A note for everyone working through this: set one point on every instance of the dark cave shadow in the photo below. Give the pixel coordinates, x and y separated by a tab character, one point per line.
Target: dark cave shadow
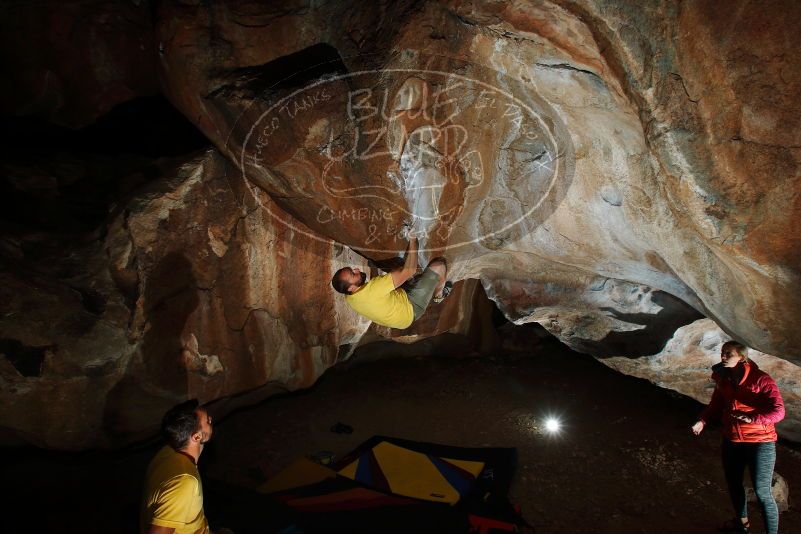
170	298
88	169
659	328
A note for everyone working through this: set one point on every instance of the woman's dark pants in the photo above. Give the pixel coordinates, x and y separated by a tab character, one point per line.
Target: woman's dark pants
760	459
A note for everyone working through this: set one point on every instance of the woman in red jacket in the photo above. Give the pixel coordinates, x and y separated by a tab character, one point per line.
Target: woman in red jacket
748	404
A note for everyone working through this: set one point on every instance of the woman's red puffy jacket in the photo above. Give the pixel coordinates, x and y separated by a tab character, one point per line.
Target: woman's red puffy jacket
756	395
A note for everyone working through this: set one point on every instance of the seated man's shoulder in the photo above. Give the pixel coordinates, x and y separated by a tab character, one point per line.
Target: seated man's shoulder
182	482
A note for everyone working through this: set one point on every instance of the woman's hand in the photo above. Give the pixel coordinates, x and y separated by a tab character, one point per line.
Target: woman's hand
698	427
742	416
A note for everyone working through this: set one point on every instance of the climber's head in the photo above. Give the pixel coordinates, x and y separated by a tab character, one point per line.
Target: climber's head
347	280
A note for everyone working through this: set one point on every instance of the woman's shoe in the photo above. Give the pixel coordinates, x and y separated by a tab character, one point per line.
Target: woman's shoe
735	525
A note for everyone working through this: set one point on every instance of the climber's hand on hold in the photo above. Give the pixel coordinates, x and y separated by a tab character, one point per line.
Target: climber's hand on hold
405	231
408	230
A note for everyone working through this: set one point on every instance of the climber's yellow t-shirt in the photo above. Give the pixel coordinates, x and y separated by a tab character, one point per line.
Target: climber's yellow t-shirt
173	494
379	301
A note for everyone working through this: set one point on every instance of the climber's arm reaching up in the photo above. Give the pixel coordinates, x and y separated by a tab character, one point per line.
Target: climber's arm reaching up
409	265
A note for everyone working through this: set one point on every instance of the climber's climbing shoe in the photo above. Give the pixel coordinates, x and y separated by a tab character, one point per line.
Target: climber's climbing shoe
446	290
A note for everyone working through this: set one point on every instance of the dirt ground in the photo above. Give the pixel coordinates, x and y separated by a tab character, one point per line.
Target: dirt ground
624	461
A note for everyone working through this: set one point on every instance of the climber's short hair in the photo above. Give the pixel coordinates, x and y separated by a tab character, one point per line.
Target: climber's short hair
340	285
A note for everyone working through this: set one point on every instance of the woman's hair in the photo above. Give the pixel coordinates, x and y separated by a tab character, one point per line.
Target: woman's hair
741	349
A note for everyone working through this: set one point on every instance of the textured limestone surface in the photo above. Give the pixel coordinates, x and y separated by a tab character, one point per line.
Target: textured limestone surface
684	365
543	146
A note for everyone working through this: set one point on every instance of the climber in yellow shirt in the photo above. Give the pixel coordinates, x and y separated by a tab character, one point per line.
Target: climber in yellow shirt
383	300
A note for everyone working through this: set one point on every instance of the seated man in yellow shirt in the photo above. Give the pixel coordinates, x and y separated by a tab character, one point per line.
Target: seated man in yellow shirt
173	500
384	301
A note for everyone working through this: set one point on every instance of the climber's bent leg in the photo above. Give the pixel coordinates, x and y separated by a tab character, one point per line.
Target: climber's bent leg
424	287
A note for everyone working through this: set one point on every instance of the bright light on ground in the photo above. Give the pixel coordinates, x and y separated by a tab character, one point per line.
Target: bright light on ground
552	425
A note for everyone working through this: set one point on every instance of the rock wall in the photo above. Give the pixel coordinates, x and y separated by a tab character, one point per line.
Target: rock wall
195	290
546	143
612	170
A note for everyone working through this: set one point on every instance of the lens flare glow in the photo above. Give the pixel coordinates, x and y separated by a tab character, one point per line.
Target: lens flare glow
552	425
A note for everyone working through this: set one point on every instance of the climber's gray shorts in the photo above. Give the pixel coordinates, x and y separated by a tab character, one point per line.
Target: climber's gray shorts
421	290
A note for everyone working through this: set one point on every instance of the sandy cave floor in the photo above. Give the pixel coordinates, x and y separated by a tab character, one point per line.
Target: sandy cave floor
624	462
